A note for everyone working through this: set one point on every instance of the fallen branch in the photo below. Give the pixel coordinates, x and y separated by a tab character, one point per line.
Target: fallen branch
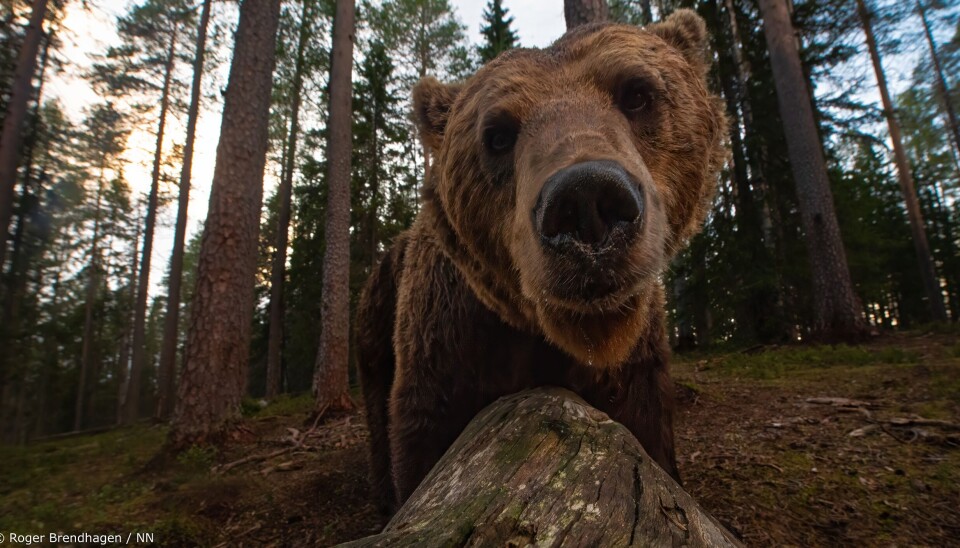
252	458
920	421
841	402
542	468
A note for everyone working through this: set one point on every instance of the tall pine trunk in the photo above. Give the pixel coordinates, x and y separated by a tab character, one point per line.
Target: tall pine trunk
373	214
11	139
646	11
12	136
931	283
15	291
756	315
331	380
942	88
168	350
213	377
143	285
93	283
125	342
581	12
837	311
279	267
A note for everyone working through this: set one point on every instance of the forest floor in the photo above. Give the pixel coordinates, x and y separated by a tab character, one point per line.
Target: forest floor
799	445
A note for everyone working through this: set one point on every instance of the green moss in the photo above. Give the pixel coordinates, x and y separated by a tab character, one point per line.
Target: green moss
85	480
197	459
250	407
287	405
789	361
178	531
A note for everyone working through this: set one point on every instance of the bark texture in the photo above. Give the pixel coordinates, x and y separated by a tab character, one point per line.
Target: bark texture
139	349
331	381
581	12
12	137
543	468
931	283
213	378
837	311
168	350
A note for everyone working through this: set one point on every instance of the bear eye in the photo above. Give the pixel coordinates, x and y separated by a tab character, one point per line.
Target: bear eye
500	141
636	96
500	133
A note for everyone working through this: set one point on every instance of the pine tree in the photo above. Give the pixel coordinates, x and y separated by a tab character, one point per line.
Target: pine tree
285	193
14	118
380	208
330	383
167	373
581	12
498	35
928	274
213	377
424	38
631	12
943	89
106	137
142	67
837	311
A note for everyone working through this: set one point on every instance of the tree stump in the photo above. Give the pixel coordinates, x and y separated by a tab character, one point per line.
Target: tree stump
543	468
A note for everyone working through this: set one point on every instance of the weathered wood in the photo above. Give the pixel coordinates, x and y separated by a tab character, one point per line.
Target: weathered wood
543	468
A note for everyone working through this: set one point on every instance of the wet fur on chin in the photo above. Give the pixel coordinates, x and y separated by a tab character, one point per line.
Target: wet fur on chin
603	339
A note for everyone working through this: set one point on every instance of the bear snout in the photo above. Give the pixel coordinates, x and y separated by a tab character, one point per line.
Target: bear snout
593	205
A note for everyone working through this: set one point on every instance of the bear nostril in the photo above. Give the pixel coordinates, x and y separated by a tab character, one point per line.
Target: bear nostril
563	218
617	207
586	202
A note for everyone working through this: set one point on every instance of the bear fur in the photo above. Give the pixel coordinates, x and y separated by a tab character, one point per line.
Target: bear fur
468	306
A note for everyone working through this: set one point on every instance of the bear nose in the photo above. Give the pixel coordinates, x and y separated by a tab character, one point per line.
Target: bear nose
587	202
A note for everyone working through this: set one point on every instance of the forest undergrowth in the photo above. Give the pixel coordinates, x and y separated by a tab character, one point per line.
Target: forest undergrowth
795	445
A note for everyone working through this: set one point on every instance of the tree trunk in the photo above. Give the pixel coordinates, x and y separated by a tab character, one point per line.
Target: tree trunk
928	274
542	468
12	137
143	285
837	311
373	210
15	287
581	12
285	191
124	360
942	88
213	376
756	314
423	54
93	282
331	380
646	11
171	322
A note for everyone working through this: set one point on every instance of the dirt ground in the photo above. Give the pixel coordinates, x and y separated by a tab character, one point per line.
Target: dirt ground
802	446
781	464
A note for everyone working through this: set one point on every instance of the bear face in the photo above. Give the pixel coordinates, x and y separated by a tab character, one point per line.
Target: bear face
573	174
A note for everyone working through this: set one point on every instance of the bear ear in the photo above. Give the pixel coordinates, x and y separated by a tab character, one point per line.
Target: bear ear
432	101
686	31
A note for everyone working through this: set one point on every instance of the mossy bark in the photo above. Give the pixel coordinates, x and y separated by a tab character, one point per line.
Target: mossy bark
543	468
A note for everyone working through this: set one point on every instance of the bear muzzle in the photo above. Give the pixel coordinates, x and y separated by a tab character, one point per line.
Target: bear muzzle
588	208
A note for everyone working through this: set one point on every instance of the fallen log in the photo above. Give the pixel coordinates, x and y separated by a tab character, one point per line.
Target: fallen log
543	468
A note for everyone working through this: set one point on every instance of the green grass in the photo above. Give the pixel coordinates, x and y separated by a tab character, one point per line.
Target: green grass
87	480
782	362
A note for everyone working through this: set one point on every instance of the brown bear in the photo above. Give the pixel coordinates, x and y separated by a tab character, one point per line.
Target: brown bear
564	181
